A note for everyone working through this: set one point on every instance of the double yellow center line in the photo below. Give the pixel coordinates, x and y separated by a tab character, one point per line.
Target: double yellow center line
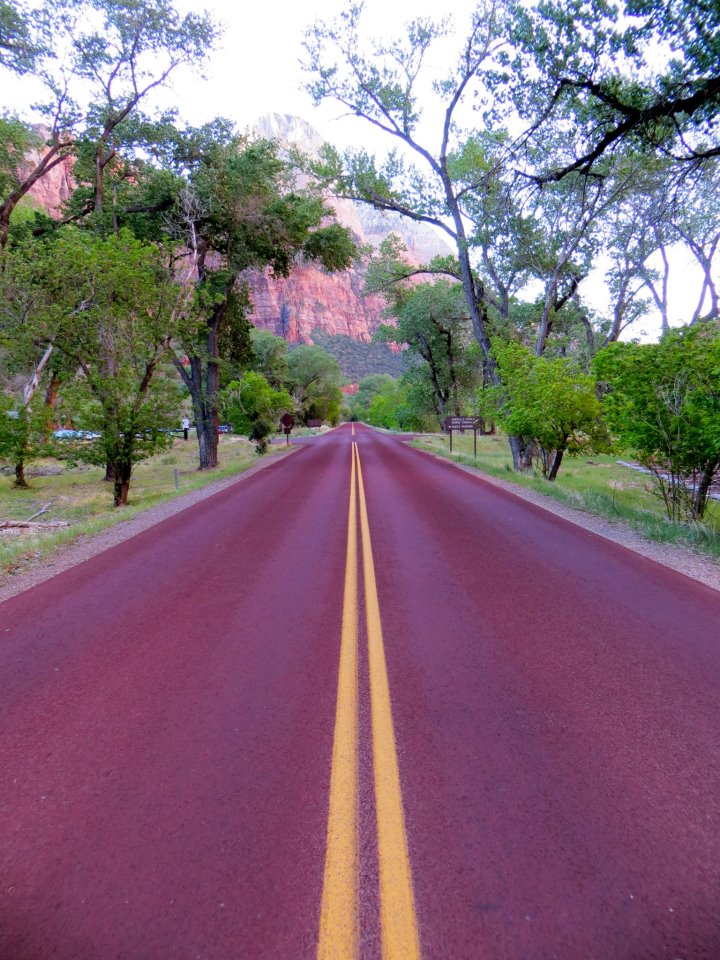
339	937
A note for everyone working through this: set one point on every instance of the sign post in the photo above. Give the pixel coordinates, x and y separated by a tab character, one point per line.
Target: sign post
462	424
288	422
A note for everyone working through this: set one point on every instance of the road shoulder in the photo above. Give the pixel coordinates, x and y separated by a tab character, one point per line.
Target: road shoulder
88	546
678	558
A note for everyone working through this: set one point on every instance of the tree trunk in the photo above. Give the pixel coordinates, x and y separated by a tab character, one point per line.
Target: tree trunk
51	396
206	425
702	489
522	451
20	480
122	486
109	473
557	460
208	443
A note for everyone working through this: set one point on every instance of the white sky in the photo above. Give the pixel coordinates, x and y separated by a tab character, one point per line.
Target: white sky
256	71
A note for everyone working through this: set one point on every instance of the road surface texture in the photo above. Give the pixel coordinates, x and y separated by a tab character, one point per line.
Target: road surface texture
361	705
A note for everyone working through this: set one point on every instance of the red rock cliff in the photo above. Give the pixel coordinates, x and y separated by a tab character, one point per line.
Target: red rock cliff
52	190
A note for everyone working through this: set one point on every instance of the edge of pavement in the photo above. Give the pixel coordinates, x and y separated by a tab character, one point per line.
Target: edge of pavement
86	546
681	559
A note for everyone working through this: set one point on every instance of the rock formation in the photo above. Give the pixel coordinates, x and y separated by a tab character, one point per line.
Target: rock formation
52	190
312	298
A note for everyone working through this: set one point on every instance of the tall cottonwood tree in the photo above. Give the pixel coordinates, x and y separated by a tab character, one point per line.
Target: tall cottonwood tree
23	36
121	285
637	73
384	88
431	318
239	211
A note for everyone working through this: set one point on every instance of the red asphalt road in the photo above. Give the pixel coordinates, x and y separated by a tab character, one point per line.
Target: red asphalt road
167	714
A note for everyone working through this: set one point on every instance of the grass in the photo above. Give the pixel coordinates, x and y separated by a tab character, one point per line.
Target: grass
78	496
594	484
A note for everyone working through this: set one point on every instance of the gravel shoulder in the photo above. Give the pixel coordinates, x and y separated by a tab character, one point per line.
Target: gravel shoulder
86	547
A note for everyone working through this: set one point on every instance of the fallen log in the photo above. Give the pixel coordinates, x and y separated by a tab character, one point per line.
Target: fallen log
29	524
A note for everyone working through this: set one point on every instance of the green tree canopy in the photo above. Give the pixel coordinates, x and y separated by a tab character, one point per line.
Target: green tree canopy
254	407
548	400
663	402
114	323
314	379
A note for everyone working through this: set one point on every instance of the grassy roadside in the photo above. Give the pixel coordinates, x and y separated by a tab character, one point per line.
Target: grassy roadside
597	485
78	498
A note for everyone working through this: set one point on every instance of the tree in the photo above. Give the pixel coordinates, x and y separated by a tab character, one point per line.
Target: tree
383	90
118	52
23	433
368	388
663	402
26	357
696	223
115	323
431	318
640	73
22	37
453	185
269	357
548	400
253	407
135	49
239	212
314	379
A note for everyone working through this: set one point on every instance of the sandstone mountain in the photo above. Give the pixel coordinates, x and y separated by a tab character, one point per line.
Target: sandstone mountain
52	190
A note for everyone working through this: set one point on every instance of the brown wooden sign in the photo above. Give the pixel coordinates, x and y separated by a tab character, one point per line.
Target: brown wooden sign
462	424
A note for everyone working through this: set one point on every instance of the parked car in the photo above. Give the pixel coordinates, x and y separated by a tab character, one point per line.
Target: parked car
224	428
75	435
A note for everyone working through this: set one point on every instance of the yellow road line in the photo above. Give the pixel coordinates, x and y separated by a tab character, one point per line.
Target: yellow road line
339	923
400	939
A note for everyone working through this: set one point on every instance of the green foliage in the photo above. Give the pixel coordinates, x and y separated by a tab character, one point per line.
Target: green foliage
253	407
431	318
113	323
663	402
23	433
369	388
548	401
404	404
239	212
22	37
16	140
639	73
269	357
314	380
